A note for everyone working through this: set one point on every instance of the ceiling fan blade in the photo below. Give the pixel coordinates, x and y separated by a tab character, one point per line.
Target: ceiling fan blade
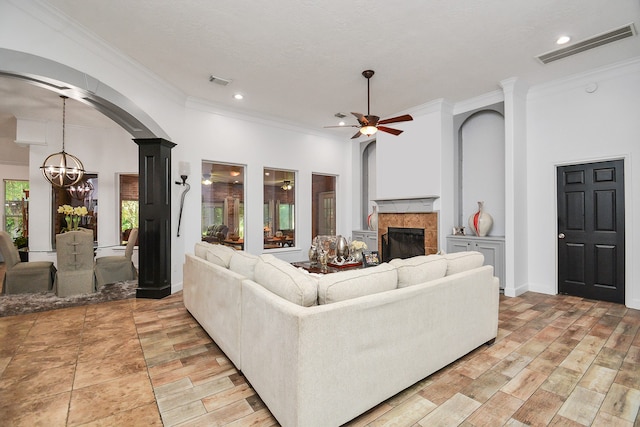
390	130
357	135
404	118
343	126
361	119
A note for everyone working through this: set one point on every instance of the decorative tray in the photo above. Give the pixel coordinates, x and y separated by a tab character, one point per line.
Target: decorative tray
345	265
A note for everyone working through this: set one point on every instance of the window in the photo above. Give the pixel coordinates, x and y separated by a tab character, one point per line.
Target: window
16	208
279	208
84	193
129	206
223	203
323	214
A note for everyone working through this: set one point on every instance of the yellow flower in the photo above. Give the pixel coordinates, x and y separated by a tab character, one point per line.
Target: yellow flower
65	209
80	211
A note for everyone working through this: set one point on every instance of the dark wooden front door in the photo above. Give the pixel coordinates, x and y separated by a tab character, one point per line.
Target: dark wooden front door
591	230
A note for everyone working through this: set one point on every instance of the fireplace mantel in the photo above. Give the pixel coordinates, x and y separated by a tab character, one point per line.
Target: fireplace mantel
406	204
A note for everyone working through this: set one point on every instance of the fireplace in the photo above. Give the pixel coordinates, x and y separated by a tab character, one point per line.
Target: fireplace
402	242
410	213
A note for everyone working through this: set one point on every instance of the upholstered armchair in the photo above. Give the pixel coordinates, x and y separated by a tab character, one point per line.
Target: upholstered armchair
112	269
74	251
24	277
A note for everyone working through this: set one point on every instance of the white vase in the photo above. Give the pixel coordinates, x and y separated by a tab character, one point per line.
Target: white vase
480	222
372	219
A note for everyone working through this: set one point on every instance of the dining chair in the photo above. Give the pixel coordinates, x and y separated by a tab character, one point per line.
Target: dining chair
112	269
24	277
74	251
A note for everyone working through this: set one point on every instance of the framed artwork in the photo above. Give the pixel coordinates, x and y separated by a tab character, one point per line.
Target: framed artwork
370	258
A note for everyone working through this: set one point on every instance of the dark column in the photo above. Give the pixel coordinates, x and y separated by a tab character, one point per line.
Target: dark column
154	253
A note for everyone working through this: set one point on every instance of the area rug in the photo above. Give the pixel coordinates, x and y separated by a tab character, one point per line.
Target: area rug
11	305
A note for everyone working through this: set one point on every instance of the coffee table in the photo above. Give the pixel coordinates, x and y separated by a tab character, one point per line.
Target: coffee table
329	269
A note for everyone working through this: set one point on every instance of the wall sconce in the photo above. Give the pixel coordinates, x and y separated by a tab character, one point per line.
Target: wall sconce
183	170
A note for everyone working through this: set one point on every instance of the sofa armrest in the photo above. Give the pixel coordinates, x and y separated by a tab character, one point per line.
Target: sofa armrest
212	294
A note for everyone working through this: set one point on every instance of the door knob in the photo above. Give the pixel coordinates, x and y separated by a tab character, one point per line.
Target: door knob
561	236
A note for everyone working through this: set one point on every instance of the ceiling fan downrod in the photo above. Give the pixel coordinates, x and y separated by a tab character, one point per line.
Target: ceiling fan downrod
367	75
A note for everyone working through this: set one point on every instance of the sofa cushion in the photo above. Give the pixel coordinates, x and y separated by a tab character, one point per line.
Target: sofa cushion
463	261
356	283
220	255
243	263
286	281
419	269
200	249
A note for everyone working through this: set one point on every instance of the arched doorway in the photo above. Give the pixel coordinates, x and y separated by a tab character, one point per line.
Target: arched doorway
154	155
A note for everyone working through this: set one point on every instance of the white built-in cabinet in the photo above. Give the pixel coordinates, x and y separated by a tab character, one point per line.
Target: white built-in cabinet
367	236
492	247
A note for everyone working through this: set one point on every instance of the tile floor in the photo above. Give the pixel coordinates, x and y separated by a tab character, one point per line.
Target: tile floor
558	360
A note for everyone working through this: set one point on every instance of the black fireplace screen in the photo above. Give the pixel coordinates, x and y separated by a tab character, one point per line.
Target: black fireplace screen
402	243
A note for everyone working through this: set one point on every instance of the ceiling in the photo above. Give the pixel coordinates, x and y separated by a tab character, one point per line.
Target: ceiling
301	60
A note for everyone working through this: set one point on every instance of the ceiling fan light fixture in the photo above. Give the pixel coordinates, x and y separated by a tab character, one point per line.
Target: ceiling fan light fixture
368	130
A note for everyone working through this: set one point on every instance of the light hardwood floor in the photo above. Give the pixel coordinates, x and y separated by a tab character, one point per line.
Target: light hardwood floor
558	360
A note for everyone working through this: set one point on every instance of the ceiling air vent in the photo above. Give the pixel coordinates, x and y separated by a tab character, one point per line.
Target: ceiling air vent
595	41
219	80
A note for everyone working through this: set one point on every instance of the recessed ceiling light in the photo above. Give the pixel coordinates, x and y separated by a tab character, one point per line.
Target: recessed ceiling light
341	124
563	40
238	96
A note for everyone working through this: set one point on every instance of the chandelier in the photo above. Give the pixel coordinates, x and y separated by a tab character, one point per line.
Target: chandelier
81	190
62	169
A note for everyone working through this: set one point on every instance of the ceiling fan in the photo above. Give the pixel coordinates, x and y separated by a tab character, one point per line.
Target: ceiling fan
371	124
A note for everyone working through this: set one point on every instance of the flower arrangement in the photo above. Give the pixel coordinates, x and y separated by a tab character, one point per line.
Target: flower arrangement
72	216
357	245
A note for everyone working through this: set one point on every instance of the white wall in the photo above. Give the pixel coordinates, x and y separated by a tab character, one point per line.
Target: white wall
408	165
13	172
259	144
567	125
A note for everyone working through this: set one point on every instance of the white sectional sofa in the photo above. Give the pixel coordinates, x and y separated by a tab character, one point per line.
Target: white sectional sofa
321	350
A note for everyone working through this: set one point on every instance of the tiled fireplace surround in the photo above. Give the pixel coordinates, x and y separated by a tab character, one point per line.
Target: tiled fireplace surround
415	212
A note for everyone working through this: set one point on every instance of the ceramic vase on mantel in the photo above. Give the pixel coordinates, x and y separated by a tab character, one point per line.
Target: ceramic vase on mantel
372	219
480	222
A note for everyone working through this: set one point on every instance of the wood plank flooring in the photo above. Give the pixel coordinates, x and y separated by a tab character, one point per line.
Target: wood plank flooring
558	360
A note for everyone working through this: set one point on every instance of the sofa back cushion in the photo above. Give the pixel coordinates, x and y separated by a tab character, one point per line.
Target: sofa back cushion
201	248
286	281
356	283
243	263
463	261
419	269
220	255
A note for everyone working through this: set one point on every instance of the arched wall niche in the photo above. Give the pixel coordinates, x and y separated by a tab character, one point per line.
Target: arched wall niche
479	152
367	179
77	85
